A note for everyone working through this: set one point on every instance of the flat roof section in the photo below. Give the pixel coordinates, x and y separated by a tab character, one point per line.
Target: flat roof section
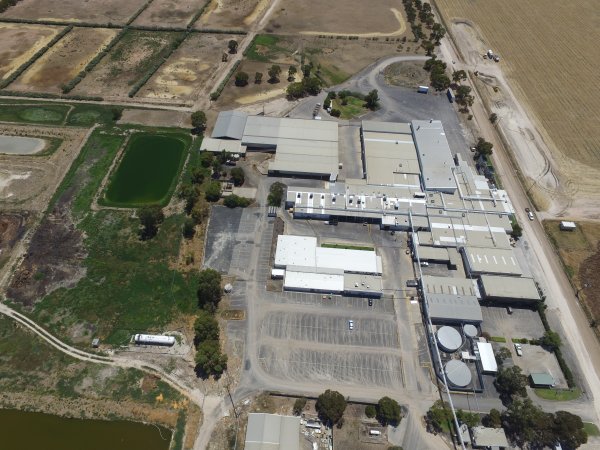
486	355
449	286
386	127
389	157
498	261
297	279
219	145
230	125
509	288
444	308
360	284
272	432
355	261
295	251
259	128
434	155
489	437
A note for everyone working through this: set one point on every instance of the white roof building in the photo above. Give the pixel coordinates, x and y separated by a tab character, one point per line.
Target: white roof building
486	355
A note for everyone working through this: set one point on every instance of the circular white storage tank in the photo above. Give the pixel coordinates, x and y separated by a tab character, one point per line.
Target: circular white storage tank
470	330
449	339
228	288
457	373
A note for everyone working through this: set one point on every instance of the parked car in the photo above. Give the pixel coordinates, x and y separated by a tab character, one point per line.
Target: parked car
370	302
351	325
518	349
509	310
530	215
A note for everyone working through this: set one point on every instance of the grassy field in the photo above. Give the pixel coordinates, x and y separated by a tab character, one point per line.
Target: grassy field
559	395
353	108
548	56
129	285
579	252
147	172
267	48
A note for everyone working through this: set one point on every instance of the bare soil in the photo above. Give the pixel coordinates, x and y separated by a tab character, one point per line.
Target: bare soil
231	14
12	228
101	12
127	62
406	74
156	118
64	60
169	12
19	42
347	17
193	65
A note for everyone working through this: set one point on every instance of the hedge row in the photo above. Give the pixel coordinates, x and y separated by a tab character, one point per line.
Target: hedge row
93	63
61	23
566	370
49	95
139	11
216	94
5	4
142	81
35	57
196	16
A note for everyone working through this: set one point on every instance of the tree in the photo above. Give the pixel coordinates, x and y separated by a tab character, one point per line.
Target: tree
295	91
493	118
493	419
524	422
116	114
459	75
150	218
299	405
213	191
276	194
511	382
569	430
517	231
462	92
437	33
388	412
370	411
502	354
483	147
199	120
440	81
306	69
331	406
335	112
429	47
438	415
209	289
417	30
551	339
292	72
189	229
311	85
258	77
238	176
232	45
209	359
372	100
200	210
274	72
206	327
190	194
206	159
197	175
468	418
234	201
241	78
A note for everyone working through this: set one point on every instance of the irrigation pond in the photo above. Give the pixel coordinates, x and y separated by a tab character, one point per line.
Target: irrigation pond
147	172
27	430
19	145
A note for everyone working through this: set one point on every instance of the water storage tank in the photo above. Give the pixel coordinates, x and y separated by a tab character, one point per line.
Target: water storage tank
228	288
470	330
153	339
457	373
449	339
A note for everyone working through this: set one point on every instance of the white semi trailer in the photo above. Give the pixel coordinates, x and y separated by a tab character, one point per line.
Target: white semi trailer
153	339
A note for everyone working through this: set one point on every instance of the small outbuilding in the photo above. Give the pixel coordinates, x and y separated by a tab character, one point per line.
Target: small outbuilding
487	358
543	380
488	438
567	226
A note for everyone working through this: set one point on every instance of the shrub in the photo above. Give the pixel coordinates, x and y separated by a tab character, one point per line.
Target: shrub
370	411
234	201
299	405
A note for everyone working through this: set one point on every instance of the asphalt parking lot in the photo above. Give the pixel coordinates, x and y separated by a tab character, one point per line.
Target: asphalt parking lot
221	237
536	359
522	323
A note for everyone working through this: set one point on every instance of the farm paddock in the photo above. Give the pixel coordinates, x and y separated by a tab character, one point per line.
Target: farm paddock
553	78
189	68
64	60
101	12
231	14
169	13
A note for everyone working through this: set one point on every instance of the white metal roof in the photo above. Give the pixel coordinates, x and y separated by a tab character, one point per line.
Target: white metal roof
295	251
314	281
272	432
218	145
434	154
488	360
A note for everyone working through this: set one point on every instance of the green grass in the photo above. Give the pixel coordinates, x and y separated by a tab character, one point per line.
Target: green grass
129	286
353	108
497	339
147	172
332	75
560	395
265	48
591	429
348	247
85	115
33	113
519	341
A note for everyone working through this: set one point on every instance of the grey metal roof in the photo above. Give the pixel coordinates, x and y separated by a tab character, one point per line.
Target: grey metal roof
386	127
448	285
449	339
542	379
444	308
509	288
434	154
501	261
230	125
458	373
489	437
272	432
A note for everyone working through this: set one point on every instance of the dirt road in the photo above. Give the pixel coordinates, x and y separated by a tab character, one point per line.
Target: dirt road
544	262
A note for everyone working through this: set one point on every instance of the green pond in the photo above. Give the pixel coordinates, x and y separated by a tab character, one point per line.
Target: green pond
27	431
147	171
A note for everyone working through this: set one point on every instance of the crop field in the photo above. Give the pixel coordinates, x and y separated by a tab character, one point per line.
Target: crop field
169	12
345	17
19	42
127	62
96	11
188	68
147	172
231	14
64	60
548	56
